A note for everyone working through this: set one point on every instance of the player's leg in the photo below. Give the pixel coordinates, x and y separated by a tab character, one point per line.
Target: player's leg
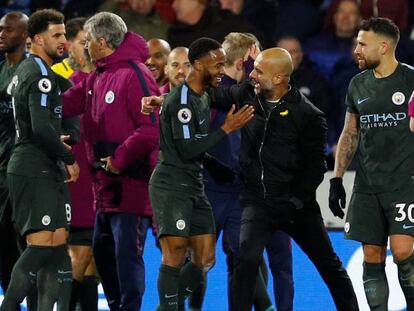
365	222
308	230
89	291
279	253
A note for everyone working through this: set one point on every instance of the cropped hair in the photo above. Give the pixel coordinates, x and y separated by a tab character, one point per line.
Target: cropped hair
382	26
40	20
73	26
236	44
107	25
202	47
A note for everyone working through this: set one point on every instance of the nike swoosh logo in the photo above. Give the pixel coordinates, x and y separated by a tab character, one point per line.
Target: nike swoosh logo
369	280
202	121
360	101
407	226
170	296
188	290
64	272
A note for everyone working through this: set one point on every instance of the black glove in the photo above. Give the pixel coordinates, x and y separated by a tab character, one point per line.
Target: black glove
337	197
220	172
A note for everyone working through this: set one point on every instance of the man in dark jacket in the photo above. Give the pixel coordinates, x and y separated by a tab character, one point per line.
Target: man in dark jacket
282	162
125	142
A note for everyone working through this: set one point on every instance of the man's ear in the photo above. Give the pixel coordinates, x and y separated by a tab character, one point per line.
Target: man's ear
37	39
102	43
198	66
239	64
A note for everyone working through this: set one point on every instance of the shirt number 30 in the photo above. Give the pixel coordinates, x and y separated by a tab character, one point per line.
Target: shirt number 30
404	213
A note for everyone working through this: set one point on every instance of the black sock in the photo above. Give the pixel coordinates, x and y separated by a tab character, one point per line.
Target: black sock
406	278
191	278
29	263
168	288
196	299
63	263
89	294
75	294
376	286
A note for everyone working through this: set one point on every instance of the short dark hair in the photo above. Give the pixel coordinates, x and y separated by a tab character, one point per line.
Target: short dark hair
383	26
40	20
201	47
73	26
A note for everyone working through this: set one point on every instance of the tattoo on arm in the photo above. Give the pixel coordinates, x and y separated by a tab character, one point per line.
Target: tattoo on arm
347	144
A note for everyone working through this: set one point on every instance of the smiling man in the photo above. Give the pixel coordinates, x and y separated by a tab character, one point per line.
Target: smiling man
183	214
158	54
38	193
177	68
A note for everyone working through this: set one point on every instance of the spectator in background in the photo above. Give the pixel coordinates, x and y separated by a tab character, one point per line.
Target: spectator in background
140	17
196	18
158	54
327	48
236	6
177	68
78	8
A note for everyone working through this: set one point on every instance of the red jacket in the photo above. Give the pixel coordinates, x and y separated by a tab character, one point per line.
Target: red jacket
110	101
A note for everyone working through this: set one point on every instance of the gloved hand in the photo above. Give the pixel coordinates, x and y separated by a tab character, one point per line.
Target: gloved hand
220	172
337	197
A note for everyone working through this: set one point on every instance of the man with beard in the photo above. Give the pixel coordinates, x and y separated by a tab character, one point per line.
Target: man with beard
177	68
382	197
158	54
13	34
35	176
183	214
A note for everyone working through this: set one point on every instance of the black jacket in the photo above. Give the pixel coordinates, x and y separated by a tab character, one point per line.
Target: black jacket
282	149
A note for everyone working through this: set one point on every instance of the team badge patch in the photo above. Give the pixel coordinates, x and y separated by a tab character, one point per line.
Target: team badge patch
184	115
398	98
46	220
180	224
45	85
347	227
109	97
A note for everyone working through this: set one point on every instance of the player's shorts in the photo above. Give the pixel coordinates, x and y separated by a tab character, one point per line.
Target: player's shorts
80	236
38	204
180	213
4	195
372	218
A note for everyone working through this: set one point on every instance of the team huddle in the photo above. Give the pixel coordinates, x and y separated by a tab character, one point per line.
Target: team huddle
105	145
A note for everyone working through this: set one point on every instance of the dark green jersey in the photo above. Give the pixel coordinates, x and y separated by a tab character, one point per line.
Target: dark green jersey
7	129
385	154
38	116
184	138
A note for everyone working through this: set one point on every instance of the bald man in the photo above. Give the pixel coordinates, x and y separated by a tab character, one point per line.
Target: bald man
177	68
283	161
158	54
13	35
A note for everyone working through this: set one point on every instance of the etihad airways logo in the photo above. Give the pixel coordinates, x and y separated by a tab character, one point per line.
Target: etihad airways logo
381	119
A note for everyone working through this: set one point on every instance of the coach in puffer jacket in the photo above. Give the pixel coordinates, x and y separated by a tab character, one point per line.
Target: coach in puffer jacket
122	147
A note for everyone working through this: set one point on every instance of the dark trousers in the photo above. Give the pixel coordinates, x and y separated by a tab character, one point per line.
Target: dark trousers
118	245
227	215
260	219
279	253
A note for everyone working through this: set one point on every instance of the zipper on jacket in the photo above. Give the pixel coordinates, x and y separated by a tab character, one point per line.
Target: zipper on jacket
262	143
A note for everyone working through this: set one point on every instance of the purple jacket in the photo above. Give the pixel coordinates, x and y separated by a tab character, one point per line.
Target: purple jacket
110	101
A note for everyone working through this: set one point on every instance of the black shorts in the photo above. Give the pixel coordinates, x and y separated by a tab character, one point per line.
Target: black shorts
4	196
371	218
180	213
80	236
38	204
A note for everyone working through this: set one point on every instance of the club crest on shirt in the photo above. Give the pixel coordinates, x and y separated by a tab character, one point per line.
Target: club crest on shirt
184	115
347	227
45	85
109	97
398	98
